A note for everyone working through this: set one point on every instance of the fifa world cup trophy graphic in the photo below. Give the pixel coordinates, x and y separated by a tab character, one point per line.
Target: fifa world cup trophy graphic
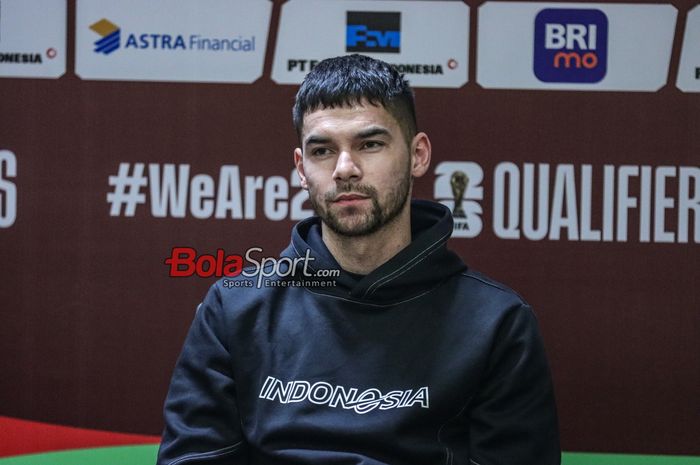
459	182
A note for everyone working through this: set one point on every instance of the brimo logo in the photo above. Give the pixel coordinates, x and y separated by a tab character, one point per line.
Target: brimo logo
184	262
571	45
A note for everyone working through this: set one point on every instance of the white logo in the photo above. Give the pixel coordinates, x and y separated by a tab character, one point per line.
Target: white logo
167	40
640	38
689	68
33	38
323	393
430	45
458	187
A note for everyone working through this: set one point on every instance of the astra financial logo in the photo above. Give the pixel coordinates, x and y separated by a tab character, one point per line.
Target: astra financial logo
571	45
110	35
111	40
373	31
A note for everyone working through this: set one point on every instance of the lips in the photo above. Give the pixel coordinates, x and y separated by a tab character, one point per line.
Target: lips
349	197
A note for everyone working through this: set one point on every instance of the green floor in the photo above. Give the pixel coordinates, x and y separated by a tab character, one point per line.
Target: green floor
146	455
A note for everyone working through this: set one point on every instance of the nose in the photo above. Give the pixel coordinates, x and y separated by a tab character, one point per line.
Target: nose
346	167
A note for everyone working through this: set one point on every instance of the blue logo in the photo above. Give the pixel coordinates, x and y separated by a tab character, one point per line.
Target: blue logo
571	45
110	39
110	34
373	31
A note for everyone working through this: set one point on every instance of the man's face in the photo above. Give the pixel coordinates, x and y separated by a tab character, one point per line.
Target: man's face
357	167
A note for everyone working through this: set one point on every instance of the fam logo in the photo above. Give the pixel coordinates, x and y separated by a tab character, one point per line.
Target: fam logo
571	45
110	35
373	31
458	187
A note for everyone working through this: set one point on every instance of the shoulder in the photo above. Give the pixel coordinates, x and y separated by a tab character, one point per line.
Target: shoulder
481	284
490	302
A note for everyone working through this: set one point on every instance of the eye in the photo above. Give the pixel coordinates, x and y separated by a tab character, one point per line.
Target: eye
372	144
320	151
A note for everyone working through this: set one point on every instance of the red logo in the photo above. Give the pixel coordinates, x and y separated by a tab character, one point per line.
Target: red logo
184	262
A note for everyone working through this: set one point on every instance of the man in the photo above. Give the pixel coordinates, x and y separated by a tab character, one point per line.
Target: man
410	358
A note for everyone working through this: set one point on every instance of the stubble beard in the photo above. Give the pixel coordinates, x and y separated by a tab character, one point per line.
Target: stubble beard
354	222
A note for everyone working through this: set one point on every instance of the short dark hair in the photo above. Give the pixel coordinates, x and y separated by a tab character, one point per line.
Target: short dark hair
350	79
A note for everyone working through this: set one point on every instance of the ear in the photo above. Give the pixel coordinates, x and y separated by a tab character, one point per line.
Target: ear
421	151
299	163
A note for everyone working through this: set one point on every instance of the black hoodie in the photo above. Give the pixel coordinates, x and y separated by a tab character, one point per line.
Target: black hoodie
420	362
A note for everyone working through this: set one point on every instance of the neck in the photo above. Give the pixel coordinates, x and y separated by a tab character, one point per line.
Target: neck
363	254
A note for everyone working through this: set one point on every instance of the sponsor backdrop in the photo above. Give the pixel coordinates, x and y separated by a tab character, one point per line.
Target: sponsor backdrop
566	141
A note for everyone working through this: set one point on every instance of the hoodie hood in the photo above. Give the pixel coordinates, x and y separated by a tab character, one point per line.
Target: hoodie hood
422	265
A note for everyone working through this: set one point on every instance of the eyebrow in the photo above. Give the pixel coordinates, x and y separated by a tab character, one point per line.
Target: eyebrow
371	132
364	134
316	140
